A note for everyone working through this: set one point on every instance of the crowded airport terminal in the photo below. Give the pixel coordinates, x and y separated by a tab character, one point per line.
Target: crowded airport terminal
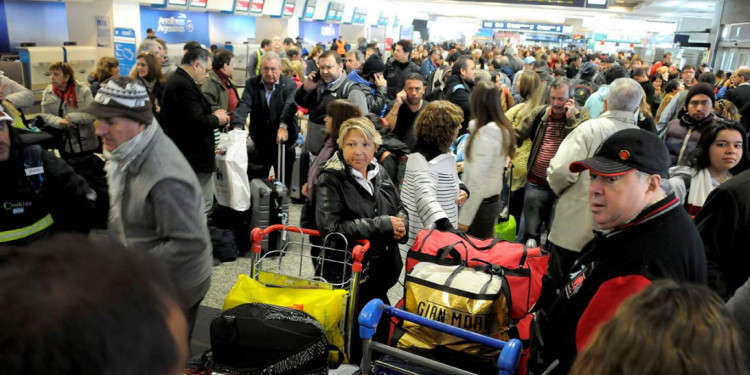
400	187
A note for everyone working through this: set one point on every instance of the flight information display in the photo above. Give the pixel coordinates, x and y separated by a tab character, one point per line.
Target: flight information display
567	3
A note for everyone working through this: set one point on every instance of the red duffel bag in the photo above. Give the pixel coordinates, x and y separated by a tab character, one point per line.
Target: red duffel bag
522	267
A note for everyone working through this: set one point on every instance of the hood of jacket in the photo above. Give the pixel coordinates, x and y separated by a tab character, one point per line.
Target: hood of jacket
454	80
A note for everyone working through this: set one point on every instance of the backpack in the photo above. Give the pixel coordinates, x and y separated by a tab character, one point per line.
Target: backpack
256	338
581	92
435	85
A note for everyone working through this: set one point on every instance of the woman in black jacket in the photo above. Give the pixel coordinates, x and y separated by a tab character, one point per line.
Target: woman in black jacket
355	199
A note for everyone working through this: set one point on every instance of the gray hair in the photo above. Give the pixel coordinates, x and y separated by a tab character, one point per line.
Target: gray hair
357	55
559	82
665	186
624	94
270	55
147	45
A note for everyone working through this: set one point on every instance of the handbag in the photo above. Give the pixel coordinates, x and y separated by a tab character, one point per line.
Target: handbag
232	186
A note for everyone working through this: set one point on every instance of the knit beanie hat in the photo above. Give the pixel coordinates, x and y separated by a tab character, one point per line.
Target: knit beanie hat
588	69
122	96
373	65
701	88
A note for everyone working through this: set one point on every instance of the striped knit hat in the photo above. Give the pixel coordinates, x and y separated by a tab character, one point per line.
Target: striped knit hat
122	96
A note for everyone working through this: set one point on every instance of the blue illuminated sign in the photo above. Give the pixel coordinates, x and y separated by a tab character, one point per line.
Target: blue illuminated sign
176	27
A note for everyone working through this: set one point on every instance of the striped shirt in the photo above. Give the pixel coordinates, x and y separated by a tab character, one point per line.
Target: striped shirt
429	192
554	134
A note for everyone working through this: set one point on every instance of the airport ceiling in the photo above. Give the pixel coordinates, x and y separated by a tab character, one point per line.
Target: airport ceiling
643	10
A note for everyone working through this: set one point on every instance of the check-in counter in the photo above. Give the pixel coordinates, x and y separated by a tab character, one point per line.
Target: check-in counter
82	59
36	62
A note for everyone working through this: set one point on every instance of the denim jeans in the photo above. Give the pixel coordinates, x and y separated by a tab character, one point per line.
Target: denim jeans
538	207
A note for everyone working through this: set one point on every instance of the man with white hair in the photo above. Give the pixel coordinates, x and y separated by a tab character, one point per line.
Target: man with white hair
573	225
156	201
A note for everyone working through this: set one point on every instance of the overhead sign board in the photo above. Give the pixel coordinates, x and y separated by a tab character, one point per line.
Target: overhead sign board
523	26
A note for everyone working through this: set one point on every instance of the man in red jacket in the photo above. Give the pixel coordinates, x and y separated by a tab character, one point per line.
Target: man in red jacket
642	235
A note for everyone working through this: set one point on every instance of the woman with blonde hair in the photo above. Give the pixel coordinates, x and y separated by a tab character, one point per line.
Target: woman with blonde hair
356	198
294	70
532	92
666	329
643	117
727	110
491	142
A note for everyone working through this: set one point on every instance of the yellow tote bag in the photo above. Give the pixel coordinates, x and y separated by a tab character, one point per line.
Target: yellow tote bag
326	306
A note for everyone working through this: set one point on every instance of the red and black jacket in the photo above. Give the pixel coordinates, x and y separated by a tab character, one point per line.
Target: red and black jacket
661	242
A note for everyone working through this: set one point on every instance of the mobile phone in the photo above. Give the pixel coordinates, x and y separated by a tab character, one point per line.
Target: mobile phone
316	77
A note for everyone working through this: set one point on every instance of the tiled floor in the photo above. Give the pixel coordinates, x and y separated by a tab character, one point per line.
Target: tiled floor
225	275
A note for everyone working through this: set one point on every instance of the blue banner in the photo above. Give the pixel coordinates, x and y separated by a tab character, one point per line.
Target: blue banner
318	32
125	48
176	27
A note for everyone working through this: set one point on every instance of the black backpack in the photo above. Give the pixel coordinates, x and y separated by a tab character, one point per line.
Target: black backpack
582	91
256	338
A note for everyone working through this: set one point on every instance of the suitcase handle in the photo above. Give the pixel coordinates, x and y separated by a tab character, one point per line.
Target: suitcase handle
281	163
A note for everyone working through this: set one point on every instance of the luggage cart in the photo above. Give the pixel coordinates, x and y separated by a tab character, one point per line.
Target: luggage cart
268	268
507	362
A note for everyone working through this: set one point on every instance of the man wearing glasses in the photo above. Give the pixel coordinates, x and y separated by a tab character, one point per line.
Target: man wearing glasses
268	101
187	118
322	87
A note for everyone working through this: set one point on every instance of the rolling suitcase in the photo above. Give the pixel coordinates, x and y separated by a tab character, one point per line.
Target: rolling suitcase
270	205
299	174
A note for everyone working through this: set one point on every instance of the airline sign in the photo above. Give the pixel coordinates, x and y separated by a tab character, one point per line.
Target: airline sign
522	26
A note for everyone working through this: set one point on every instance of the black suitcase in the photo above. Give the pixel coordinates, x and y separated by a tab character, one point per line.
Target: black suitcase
269	201
299	174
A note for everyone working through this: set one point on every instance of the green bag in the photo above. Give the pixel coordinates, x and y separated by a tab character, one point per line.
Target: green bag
506	230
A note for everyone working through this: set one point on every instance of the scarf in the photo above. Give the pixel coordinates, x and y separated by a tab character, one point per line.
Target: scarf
117	164
701	184
689	122
69	96
223	77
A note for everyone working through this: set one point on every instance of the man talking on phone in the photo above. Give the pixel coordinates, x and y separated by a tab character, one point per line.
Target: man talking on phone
268	101
322	87
547	126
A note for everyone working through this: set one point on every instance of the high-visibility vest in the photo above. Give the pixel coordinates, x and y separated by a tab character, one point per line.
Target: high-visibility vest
257	64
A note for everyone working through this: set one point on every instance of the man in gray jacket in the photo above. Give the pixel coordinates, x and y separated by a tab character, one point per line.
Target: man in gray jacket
156	202
573	225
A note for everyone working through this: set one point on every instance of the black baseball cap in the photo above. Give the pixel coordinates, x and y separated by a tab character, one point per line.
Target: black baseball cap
625	151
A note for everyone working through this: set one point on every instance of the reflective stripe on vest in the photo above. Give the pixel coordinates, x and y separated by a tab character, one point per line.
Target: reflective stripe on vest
16	234
257	65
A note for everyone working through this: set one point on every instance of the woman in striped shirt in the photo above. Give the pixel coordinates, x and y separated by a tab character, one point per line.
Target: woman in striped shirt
432	191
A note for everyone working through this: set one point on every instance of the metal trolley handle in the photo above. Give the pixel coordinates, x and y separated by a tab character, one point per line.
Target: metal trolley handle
507	362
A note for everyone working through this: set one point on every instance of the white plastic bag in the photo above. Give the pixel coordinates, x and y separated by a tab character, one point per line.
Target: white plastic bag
231	185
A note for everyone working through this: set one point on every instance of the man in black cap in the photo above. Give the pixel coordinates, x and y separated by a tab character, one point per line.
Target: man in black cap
369	78
642	235
683	132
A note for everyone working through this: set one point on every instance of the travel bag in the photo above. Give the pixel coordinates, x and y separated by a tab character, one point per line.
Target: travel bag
257	338
270	204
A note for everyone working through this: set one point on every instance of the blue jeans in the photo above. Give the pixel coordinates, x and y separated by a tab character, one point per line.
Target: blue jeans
538	209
